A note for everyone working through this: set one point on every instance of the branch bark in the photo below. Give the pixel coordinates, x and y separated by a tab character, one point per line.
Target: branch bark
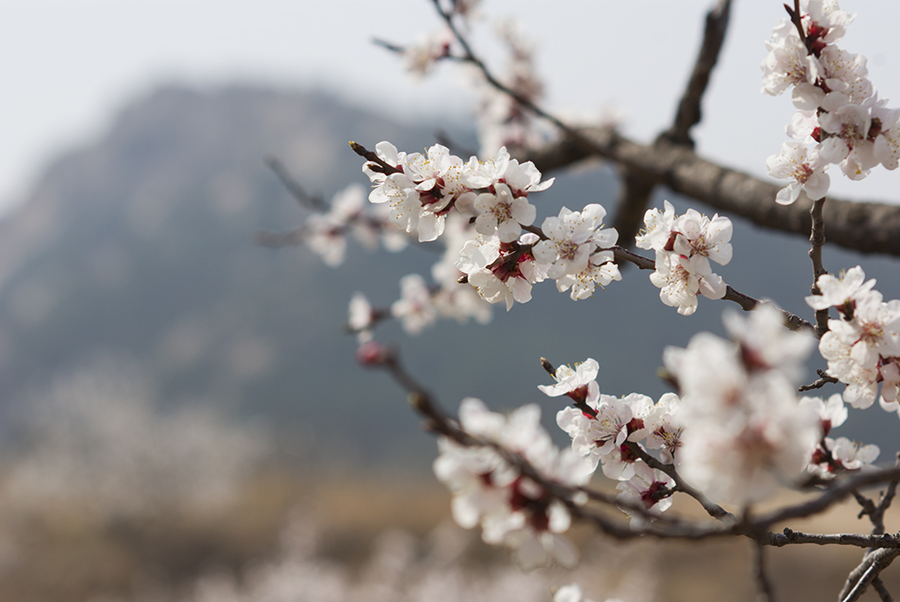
689	112
861	226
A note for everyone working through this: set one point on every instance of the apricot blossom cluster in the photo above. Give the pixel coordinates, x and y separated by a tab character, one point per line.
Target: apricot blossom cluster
840	119
862	346
683	246
512	508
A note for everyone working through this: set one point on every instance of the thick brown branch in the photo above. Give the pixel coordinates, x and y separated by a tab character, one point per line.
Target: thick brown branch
867	571
817	240
835	494
636	189
689	113
789	537
864	227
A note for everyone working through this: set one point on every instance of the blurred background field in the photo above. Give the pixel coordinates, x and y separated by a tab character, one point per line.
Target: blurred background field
113	499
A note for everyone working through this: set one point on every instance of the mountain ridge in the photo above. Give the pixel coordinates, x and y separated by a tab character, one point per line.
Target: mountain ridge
139	245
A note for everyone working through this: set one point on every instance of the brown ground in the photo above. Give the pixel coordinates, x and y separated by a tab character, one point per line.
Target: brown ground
68	553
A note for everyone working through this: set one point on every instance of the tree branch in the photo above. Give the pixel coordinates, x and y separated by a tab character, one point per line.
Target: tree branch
689	113
817	239
714	510
867	571
305	199
863	227
635	191
746	302
836	493
789	536
763	584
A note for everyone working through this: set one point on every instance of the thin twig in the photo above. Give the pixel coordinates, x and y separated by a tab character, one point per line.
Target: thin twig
438	421
866	227
305	199
376	163
746	302
763	585
867	505
389	45
797	20
275	240
689	112
714	510
823	380
878	586
877	516
469	56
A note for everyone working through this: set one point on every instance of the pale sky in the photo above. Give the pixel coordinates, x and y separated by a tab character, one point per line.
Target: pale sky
68	65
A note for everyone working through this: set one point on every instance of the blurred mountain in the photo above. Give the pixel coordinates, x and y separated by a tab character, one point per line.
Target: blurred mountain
140	246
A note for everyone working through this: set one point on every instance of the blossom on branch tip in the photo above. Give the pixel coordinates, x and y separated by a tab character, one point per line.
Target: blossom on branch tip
422	190
787	63
600	434
600	271
831	413
664	427
863	346
362	317
766	343
579	383
838	455
572	237
684	245
372	354
680	279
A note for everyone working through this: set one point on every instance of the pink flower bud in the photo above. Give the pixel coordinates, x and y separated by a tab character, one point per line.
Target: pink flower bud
371	354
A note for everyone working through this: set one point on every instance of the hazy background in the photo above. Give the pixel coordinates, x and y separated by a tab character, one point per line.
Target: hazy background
180	414
67	64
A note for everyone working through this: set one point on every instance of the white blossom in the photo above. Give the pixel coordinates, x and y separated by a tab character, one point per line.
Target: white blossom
414	308
572	237
745	430
512	509
684	245
807	170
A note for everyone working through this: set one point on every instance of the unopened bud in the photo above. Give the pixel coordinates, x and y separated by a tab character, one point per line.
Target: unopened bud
546	365
371	354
